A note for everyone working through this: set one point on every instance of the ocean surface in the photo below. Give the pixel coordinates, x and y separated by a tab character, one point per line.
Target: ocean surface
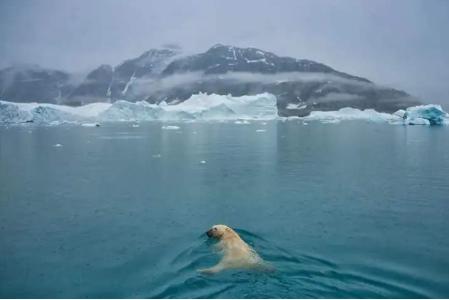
354	209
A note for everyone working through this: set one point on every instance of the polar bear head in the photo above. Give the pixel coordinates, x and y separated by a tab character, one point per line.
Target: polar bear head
219	231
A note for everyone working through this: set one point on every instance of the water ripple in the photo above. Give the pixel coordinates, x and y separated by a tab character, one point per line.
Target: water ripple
301	276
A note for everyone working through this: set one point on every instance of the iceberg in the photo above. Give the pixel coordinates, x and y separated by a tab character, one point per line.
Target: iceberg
11	113
226	107
430	114
417	115
50	115
197	107
350	114
29	113
205	107
128	111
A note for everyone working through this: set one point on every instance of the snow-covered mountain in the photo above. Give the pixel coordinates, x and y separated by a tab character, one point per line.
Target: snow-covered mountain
221	59
165	75
107	83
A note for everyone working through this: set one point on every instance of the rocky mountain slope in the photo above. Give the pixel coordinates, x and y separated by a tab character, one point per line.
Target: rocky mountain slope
158	75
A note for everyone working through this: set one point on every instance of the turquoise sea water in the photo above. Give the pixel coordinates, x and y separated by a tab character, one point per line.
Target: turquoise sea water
340	210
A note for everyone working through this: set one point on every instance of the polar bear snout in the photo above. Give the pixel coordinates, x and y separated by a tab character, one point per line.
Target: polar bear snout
216	231
209	233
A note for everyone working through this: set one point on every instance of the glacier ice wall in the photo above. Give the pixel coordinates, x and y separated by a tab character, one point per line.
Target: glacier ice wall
205	107
197	107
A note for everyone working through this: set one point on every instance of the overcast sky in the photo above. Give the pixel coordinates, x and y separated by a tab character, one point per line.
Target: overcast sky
402	44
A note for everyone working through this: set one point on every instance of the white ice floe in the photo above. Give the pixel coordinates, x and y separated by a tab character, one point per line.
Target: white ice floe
349	114
90	125
296	106
260	130
57	145
202	162
416	115
244	122
171	127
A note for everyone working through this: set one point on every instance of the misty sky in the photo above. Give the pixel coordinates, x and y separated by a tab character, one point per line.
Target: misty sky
403	44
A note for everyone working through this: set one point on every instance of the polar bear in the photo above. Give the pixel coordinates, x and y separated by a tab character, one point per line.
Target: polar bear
236	253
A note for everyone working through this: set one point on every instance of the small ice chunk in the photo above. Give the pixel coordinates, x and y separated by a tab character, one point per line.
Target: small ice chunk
202	162
90	125
57	145
135	125
295	106
260	130
245	122
156	155
171	127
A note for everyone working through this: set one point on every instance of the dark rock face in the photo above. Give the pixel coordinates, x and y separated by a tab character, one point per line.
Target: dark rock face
301	86
95	88
106	84
222	59
149	65
32	83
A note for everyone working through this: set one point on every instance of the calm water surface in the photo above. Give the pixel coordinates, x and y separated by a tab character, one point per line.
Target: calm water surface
341	210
